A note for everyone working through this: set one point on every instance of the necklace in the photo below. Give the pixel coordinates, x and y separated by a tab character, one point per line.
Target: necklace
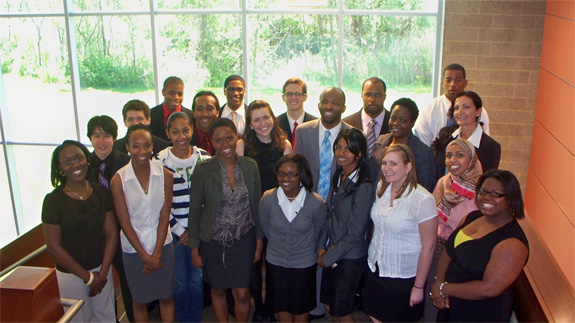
145	189
81	197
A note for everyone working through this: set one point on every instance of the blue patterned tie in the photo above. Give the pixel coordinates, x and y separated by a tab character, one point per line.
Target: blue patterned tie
324	166
101	179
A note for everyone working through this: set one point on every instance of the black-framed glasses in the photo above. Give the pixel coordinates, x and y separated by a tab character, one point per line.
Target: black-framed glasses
297	94
290	174
483	192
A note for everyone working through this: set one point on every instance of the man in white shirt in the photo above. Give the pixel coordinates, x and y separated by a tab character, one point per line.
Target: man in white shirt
234	90
434	117
294	94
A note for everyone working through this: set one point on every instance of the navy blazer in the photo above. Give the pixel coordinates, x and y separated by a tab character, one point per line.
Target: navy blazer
284	123
157	120
307	144
206	195
354	120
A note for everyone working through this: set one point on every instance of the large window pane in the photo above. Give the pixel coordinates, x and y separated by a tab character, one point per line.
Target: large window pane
285	46
36	79
38	6
111	5
8	227
199	4
115	66
407	5
201	49
397	49
33	168
293	4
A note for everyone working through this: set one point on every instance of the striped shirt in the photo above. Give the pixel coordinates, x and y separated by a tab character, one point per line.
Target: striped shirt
182	170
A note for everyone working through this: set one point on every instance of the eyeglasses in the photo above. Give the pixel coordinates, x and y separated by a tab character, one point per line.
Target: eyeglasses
235	89
297	94
483	192
76	160
290	175
374	95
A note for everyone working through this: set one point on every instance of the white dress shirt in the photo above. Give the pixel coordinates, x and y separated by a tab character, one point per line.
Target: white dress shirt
365	119
291	209
240	118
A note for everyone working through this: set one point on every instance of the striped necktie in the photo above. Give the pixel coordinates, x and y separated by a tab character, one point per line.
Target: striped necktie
324	166
371	135
101	179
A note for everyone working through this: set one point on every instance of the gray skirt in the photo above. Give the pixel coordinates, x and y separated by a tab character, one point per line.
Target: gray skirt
158	284
229	264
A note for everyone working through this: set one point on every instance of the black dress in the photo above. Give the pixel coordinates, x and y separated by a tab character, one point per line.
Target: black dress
468	263
266	157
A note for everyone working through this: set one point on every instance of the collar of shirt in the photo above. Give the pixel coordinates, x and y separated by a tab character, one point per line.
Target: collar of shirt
290	210
354	176
299	120
365	119
475	137
333	133
167	112
227	112
131	175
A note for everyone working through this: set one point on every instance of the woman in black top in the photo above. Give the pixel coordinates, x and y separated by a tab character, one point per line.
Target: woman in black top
81	233
484	256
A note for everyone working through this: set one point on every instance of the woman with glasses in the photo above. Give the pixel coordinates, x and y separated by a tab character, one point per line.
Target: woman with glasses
291	217
81	233
484	255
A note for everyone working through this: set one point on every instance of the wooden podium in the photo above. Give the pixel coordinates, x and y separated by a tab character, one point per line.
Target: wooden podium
30	294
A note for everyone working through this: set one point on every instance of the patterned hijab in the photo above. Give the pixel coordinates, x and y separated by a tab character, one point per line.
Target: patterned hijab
455	189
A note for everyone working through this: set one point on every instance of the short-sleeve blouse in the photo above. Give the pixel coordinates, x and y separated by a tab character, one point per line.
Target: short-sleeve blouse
396	242
81	224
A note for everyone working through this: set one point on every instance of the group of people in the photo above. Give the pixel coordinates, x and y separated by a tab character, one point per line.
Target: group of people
391	208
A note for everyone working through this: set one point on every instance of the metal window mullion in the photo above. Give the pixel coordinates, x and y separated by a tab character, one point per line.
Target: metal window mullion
73	63
154	34
245	44
340	45
438	57
10	162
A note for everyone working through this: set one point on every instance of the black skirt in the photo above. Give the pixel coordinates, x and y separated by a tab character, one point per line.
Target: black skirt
291	290
229	264
387	299
339	285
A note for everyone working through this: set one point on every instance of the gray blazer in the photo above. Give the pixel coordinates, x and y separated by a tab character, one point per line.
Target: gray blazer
206	194
292	245
348	217
307	144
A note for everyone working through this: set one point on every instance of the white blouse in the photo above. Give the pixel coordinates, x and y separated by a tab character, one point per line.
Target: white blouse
144	209
396	242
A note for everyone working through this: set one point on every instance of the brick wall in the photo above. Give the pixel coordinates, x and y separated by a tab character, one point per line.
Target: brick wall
499	44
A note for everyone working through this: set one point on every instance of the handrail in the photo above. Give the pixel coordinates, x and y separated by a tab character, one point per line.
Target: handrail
75	306
24	260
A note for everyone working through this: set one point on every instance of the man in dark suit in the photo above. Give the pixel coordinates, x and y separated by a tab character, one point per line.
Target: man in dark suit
294	94
136	111
372	117
173	93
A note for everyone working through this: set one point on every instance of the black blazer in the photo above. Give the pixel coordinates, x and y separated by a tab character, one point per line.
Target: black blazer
284	123
354	120
117	160
157	121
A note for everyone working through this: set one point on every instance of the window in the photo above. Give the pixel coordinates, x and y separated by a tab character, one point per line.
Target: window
63	62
